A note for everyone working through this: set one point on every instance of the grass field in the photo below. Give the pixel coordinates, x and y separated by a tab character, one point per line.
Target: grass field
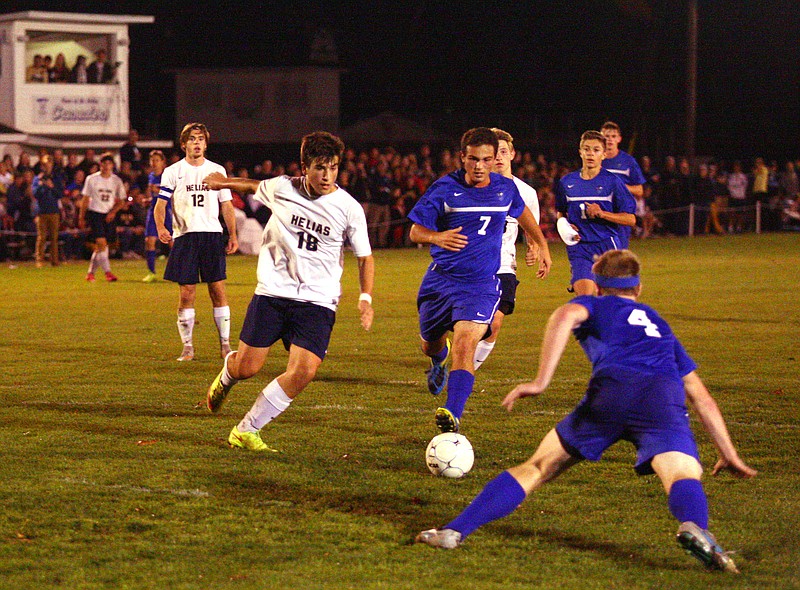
111	477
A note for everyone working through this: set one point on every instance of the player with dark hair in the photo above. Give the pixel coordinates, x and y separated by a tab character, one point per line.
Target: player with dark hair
641	379
623	165
198	246
592	205
103	195
507	273
462	216
299	281
157	165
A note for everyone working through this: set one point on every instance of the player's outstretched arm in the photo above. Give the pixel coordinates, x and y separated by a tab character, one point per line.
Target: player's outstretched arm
243	186
556	335
711	417
528	223
366	279
450	239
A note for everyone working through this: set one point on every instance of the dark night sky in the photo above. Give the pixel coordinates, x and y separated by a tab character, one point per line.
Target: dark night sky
545	70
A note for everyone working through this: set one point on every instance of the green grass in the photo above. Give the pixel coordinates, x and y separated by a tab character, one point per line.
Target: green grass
110	477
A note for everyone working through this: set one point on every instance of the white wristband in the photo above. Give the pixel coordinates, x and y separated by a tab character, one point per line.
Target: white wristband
365	297
566	232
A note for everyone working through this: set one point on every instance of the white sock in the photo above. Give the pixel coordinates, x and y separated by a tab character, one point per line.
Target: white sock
222	317
102	259
270	404
93	262
226	378
186	325
482	353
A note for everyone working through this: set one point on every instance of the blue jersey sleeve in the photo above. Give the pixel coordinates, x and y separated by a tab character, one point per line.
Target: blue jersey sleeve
685	363
623	199
561	197
428	210
517	203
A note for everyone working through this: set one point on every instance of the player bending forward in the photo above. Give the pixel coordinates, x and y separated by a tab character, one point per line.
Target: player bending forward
641	377
299	273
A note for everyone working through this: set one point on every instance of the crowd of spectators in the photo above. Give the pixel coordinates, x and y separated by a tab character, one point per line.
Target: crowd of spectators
388	181
44	70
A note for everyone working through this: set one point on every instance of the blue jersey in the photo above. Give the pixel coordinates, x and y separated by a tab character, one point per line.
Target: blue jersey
573	193
622	335
154	179
480	212
625	166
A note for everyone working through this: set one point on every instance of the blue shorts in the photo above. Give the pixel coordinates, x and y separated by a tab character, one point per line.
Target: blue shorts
99	227
150	230
583	255
442	301
508	292
196	257
646	410
303	324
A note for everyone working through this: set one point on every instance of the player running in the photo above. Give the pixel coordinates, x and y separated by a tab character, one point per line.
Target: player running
592	205
462	216
299	274
641	379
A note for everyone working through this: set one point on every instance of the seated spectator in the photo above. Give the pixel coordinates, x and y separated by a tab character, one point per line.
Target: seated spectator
130	226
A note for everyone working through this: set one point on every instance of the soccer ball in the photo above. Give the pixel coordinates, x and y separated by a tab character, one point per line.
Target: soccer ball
450	455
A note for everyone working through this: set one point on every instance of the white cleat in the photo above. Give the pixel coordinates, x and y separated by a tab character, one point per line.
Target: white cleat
441	538
187	354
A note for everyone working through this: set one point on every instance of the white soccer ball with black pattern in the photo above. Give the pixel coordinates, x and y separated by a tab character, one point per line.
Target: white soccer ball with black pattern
450	455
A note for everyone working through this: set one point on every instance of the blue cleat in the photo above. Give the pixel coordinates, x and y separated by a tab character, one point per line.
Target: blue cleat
437	374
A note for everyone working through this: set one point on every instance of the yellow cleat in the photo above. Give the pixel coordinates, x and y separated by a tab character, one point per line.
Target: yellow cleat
248	440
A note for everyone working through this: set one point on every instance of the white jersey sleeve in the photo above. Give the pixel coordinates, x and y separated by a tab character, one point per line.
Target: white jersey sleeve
195	207
302	249
508	254
103	193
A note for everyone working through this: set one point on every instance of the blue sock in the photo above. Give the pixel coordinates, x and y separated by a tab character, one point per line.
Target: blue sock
151	260
499	498
440	356
459	388
687	502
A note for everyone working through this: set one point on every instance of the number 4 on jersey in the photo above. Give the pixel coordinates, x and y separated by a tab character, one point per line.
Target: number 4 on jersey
638	317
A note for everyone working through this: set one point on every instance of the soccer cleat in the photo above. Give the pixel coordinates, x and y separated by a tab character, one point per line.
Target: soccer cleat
446	421
217	392
150	278
702	545
248	440
441	538
437	373
110	277
90	277
187	354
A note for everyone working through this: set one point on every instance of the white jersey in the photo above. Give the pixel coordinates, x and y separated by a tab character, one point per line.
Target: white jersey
302	248
195	207
103	193
508	254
